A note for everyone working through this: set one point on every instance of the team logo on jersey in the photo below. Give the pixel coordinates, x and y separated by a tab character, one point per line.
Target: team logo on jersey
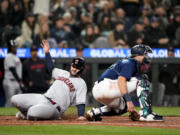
76	62
67	82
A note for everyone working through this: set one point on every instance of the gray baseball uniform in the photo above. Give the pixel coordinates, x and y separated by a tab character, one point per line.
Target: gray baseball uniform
10	84
65	91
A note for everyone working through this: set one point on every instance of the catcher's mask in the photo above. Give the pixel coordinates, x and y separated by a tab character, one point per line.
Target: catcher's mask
78	63
142	50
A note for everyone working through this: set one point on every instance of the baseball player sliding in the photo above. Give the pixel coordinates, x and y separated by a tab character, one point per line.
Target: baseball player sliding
114	85
68	88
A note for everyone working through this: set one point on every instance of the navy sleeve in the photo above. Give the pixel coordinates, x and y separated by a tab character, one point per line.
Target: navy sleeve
49	63
13	71
127	69
81	109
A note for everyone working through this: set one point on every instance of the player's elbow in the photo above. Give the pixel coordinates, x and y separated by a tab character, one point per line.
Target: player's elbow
122	79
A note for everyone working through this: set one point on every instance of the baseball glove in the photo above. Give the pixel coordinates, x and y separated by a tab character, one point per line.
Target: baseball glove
134	116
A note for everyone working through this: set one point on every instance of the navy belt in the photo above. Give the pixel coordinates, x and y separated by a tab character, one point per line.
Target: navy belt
53	103
100	80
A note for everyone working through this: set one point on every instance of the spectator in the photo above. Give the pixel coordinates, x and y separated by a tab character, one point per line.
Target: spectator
100	41
29	29
160	12
105	12
145	14
13	73
44	35
155	36
172	29
131	8
17	15
27	6
67	17
136	33
121	15
35	74
106	26
56	9
89	37
145	11
62	32
73	12
85	20
117	37
43	19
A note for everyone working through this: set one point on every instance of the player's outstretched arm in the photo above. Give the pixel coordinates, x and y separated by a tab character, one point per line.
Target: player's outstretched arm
48	60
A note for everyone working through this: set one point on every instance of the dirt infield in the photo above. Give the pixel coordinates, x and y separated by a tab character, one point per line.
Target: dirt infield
170	122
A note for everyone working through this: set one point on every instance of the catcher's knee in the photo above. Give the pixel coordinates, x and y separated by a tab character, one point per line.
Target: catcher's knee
143	85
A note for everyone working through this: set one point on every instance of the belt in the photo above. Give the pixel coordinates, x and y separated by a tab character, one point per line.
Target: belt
100	80
53	103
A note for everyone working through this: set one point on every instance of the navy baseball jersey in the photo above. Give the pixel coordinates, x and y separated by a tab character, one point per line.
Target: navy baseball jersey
126	67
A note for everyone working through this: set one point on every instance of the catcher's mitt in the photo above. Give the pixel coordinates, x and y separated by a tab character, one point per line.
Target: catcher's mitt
134	116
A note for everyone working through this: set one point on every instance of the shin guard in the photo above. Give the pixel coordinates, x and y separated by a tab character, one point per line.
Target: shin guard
144	96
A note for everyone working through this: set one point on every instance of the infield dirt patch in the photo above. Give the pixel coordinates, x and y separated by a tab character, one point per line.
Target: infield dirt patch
169	122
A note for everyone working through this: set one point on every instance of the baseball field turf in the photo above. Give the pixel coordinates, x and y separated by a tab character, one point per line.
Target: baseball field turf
87	128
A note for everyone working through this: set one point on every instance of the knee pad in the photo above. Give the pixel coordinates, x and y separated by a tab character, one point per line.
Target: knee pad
143	85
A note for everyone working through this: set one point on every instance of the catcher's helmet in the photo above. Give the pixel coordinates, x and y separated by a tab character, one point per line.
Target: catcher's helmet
78	63
140	49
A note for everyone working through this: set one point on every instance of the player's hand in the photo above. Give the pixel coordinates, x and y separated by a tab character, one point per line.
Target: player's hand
45	45
130	106
81	118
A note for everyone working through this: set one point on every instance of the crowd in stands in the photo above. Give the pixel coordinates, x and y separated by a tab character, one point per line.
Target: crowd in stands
91	23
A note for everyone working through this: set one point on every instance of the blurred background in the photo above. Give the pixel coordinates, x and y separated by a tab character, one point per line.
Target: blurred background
78	26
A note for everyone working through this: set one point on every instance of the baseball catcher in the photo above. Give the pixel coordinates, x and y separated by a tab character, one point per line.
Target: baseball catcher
113	87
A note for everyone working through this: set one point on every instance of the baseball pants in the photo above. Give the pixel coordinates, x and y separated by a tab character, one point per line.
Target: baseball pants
108	93
11	87
35	106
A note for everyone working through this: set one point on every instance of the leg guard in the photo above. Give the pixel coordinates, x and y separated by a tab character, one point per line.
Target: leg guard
144	96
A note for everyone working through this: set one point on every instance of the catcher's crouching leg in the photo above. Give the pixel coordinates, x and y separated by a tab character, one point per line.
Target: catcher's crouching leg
144	96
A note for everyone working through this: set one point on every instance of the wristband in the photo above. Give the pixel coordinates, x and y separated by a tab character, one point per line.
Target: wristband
127	97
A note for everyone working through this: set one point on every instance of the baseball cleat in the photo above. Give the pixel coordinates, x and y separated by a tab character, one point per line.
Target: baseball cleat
20	116
88	117
151	117
91	116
